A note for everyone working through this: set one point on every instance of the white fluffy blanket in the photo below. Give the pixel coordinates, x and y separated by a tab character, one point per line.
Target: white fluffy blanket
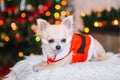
98	70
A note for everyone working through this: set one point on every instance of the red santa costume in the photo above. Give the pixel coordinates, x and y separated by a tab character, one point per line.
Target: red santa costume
81	45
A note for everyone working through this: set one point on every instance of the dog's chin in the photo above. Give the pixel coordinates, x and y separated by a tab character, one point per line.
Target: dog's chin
57	51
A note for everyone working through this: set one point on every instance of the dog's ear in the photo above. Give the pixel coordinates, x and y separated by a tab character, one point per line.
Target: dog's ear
41	25
68	22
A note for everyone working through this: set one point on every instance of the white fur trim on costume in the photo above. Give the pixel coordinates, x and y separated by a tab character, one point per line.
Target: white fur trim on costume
91	49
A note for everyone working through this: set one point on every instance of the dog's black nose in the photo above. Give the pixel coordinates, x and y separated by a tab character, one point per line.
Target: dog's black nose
58	47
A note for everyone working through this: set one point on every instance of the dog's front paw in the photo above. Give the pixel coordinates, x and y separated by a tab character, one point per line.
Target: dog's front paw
39	66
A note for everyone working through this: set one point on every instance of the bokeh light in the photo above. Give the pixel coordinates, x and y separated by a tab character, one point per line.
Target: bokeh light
7	38
63	3
63	13
96	24
32	54
37	38
86	30
57	7
47	13
13	26
82	14
56	15
67	13
115	22
57	22
20	54
34	27
23	15
1	22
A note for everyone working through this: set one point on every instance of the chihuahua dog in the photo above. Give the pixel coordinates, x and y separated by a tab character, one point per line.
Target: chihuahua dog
62	46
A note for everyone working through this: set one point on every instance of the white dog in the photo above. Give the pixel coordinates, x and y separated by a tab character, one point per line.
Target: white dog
61	46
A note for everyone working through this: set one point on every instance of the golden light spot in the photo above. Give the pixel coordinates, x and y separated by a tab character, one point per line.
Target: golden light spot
82	14
34	27
6	38
20	54
14	26
47	13
63	13
57	6
57	22
56	15
115	22
67	13
32	54
23	15
100	24
96	24
86	30
63	3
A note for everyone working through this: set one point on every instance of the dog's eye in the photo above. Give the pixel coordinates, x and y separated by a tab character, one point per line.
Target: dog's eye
63	40
51	41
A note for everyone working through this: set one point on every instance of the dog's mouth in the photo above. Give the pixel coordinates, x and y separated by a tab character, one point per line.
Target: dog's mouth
57	51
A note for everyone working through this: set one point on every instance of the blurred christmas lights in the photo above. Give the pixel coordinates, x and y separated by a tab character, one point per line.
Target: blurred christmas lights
63	13
32	54
37	38
63	3
82	14
57	22
68	13
86	30
7	38
57	7
115	22
47	13
96	24
13	25
34	27
20	54
56	15
1	22
23	15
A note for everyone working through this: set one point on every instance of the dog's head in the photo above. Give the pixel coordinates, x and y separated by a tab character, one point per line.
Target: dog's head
56	36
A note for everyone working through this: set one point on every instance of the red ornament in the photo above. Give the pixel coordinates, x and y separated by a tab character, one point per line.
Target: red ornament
10	9
49	4
41	11
21	20
35	14
18	37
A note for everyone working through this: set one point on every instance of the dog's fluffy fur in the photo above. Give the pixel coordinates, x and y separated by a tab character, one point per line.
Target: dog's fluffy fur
56	40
